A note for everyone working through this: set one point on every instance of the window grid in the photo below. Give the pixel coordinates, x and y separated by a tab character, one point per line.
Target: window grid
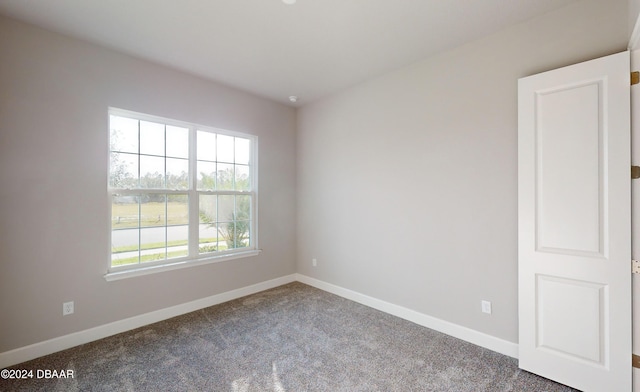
183	229
228	227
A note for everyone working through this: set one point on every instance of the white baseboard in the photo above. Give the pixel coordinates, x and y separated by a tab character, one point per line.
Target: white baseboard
51	346
478	338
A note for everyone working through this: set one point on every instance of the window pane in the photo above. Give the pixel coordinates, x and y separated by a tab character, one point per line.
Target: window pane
124	211
124	247
178	231
123	172
178	241
153	244
226	216
177	142
123	134
153	210
151	138
242	178
177	209
226	206
225	148
243	151
208	228
124	234
242	237
206	176
177	173
208	211
243	207
225	176
206	146
151	172
243	221
208	238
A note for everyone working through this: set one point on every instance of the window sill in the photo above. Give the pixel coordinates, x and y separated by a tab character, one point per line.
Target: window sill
130	273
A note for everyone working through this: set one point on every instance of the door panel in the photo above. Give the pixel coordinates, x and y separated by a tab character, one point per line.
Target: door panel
574	224
565	306
569	217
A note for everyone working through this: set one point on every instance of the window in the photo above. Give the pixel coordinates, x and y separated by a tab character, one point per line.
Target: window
178	192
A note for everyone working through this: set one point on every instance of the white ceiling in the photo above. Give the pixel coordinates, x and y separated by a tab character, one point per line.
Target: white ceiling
310	49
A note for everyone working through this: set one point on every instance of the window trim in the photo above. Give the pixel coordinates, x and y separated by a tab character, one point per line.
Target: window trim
193	257
177	264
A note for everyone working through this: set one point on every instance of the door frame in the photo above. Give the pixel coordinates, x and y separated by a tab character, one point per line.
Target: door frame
634	48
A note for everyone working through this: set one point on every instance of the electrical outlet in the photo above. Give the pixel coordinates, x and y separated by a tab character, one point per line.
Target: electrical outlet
314	262
67	308
486	307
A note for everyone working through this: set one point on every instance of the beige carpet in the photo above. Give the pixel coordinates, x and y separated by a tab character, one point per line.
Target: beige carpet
292	338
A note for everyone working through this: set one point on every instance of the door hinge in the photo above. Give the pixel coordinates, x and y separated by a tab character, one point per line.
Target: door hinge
635	361
635	172
635	267
635	77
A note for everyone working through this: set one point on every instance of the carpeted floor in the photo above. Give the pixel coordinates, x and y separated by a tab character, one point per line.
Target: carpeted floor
292	338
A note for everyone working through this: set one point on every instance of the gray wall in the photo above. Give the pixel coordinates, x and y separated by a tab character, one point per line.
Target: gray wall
634	10
407	184
54	94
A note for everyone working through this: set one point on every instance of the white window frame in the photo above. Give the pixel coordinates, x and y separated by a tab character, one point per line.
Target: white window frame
193	258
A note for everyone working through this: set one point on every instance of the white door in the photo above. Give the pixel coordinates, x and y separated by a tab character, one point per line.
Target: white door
574	228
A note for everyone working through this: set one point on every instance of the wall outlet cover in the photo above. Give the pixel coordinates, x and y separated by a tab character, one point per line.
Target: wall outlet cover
67	308
486	307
